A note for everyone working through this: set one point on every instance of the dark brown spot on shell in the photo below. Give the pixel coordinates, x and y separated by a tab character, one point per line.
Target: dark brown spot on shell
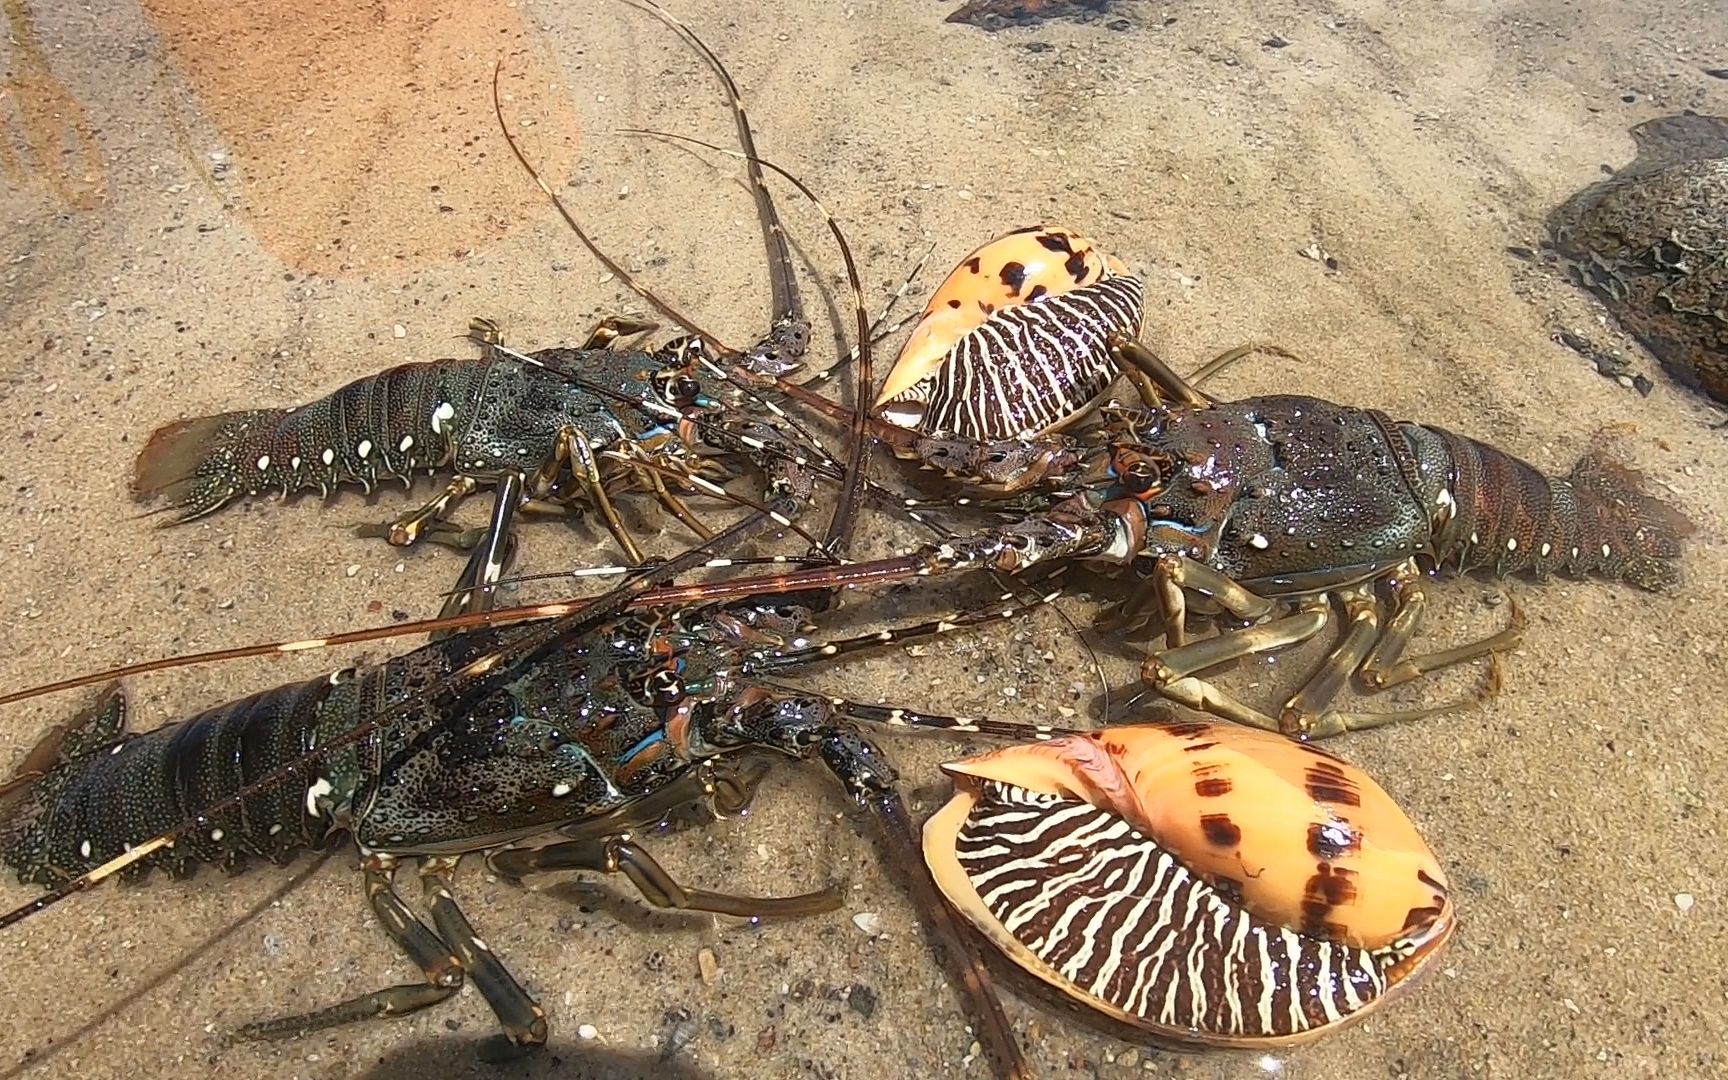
987	308
1195	748
1220	830
1330	840
1038	293
1328	783
1076	267
1186	729
974	264
953	303
1014	276
1055	242
1213	787
1420	918
1330	888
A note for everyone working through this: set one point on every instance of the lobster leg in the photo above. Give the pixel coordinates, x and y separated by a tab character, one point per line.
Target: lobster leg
611	329
574	448
1385	666
1150	374
445	957
521	1017
1372	653
1170	671
620	855
406	530
477	586
1172	575
437	961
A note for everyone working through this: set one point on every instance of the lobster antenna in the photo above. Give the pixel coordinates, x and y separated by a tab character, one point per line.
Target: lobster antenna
956	945
473	677
840	527
575	227
822	577
616	569
782	275
788	309
814	652
744	385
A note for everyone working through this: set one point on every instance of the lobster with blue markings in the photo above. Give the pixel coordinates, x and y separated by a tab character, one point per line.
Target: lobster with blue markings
583	729
572	428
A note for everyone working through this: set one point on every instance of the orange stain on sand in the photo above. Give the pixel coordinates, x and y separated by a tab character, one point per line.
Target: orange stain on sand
45	134
363	131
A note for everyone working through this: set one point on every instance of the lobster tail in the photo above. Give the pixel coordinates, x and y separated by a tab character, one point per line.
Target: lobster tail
1598	520
194	463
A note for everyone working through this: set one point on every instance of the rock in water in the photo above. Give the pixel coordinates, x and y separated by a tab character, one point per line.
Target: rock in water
1652	242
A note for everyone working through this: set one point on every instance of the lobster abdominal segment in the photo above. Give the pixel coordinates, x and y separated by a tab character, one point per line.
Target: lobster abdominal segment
481	417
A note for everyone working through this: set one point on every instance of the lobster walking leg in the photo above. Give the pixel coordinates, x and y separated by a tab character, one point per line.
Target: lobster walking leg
1366	650
406	531
1386	664
446	956
477	586
522	1018
620	855
441	967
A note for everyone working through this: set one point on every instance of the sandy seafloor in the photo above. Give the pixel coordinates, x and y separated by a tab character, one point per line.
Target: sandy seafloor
255	204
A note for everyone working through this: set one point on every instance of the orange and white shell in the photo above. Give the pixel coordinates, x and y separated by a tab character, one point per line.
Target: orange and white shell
1021	267
1208	883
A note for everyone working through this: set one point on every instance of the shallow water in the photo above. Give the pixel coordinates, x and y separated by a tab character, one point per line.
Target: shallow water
252	207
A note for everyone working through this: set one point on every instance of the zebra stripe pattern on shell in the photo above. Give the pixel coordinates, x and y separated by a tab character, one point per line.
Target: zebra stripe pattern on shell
1125	923
1032	368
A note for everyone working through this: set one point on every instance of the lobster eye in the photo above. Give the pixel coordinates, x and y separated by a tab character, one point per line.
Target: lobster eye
1141	476
663	689
677	388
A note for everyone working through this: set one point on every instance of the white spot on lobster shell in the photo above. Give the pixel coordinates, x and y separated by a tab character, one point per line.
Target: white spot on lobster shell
315	793
444	413
364	448
263	462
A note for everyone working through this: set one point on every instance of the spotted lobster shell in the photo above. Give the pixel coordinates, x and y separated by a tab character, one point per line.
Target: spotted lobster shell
1207	883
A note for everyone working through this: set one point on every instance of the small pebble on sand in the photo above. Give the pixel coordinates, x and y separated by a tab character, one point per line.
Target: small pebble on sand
707	966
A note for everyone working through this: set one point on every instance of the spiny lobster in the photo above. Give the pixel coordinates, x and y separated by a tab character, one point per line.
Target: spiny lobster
566	426
1267	510
585	728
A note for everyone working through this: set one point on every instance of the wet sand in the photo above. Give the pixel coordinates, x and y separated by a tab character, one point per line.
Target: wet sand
262	220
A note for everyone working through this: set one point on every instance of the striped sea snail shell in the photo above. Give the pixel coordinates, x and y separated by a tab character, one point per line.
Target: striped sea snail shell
1206	883
1012	341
